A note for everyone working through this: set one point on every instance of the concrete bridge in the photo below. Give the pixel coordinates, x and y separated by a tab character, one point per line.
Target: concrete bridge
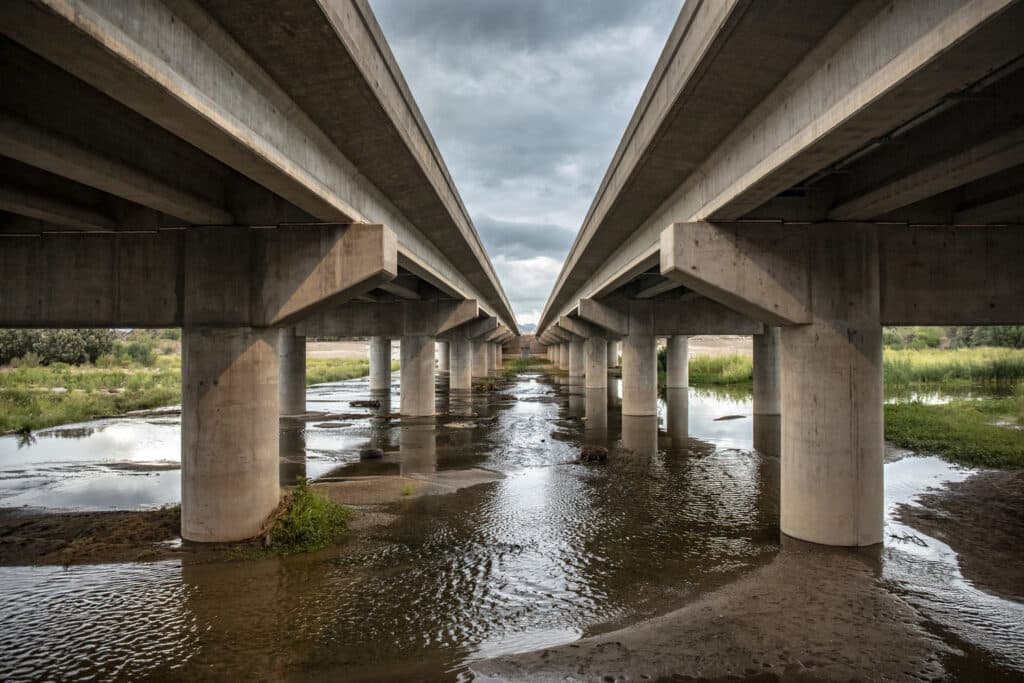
807	172
251	171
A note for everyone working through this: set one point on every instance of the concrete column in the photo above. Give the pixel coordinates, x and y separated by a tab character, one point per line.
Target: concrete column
639	432
380	364
613	353
595	431
479	358
229	431
832	447
677	363
639	375
767	393
595	359
417	378
293	372
489	349
443	357
677	414
460	375
563	355
499	356
577	367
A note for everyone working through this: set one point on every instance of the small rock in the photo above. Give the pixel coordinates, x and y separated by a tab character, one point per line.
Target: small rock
371	454
365	403
594	454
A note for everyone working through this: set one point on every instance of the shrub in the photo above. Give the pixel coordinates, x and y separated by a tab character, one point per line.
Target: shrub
172	333
52	346
138	352
312	522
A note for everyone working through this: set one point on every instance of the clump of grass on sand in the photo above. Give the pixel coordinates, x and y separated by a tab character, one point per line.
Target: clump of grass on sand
728	369
983	433
310	522
953	366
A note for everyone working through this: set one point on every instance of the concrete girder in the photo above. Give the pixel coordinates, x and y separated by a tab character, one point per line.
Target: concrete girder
182	278
604	316
33	146
658	289
580	328
52	210
474	329
928	275
394	319
667	317
1009	209
878	67
399	290
200	84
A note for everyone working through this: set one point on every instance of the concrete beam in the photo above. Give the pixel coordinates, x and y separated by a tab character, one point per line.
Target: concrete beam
400	291
580	328
62	213
658	289
700	316
42	149
991	156
474	329
606	317
186	278
1008	209
758	270
394	319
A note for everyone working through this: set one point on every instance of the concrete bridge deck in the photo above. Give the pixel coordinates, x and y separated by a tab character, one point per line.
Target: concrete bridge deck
250	171
807	172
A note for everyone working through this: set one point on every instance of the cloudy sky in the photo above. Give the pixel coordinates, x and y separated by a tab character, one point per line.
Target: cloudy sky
527	100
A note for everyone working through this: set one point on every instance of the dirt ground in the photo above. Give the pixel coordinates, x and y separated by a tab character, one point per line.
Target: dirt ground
720	345
341	349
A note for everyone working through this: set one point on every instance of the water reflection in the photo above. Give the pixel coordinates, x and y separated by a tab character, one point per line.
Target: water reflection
640	434
418	446
595	432
677	415
293	452
768	434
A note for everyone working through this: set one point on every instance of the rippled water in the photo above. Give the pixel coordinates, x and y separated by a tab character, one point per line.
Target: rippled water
552	551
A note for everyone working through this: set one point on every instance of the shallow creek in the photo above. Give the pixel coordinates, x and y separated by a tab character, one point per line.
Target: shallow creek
552	552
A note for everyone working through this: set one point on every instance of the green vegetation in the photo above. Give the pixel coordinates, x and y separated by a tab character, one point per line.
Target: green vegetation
715	370
919	338
113	373
407	489
963	366
514	366
984	433
311	522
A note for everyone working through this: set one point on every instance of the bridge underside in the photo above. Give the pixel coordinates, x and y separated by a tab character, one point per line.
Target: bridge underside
874	175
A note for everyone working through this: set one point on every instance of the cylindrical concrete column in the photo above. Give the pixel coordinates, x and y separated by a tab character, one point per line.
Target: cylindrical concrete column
577	368
677	363
380	364
613	353
443	357
499	356
229	431
595	361
563	355
417	378
832	437
489	350
460	374
293	372
767	372
677	414
639	375
479	358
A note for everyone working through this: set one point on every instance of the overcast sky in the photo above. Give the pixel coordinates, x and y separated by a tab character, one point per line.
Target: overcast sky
527	100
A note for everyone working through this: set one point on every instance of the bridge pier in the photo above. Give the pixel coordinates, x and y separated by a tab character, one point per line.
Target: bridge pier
563	356
499	357
639	375
293	372
229	431
767	391
613	353
479	358
380	365
595	352
577	367
443	356
677	362
417	380
460	375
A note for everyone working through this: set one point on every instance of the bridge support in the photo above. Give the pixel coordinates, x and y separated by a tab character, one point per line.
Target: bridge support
293	372
767	391
613	353
563	356
639	375
479	358
229	432
380	365
677	362
417	385
577	366
460	375
595	352
443	357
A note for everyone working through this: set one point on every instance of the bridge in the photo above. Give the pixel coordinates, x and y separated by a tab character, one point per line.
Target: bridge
251	171
806	172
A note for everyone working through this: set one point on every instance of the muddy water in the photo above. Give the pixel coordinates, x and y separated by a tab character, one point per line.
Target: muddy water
553	551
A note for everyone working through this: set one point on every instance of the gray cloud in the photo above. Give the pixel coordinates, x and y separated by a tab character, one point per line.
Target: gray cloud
527	100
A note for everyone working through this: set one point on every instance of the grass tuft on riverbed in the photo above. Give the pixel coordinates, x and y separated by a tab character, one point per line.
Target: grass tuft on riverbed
960	367
311	522
979	433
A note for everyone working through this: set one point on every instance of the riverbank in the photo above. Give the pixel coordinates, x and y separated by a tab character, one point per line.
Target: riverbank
33	398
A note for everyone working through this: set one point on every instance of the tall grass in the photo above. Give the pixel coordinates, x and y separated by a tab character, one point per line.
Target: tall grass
969	365
731	369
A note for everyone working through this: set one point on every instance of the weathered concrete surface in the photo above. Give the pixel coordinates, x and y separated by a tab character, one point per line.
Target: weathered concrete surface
393	319
677	362
460	373
639	375
595	360
417	378
292	393
443	356
229	432
767	361
613	353
577	366
380	364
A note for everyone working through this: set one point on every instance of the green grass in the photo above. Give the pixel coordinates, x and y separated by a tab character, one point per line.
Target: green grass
717	370
311	522
28	402
958	366
962	431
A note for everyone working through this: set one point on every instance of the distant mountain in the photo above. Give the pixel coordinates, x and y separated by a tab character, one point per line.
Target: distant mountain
527	328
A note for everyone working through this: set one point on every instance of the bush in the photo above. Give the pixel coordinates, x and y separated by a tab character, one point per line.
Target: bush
139	352
52	346
172	333
312	522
